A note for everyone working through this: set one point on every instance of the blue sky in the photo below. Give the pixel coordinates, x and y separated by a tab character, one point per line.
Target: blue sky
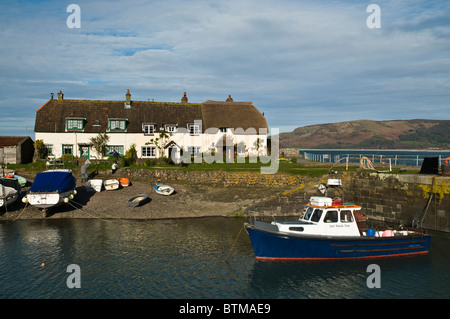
299	62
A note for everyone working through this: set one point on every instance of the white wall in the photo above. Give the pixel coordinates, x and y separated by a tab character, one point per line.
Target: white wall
204	141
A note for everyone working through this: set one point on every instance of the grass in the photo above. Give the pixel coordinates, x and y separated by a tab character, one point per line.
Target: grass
284	167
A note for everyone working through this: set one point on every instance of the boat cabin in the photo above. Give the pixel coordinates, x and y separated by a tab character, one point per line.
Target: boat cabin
323	216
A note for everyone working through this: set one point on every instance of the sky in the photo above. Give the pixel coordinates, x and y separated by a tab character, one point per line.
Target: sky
299	62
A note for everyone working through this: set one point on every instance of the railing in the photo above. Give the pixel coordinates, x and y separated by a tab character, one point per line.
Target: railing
393	159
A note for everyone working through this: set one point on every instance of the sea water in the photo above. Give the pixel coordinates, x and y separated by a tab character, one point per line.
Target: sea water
200	258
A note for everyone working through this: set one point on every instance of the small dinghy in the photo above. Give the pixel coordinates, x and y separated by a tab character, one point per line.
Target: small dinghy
163	189
124	182
137	200
111	184
94	185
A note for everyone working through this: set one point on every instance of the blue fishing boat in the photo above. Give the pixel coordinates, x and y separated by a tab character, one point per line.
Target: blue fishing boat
51	188
331	230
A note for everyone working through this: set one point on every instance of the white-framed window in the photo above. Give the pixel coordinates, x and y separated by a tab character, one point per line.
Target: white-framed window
171	128
149	129
117	124
194	129
67	149
148	151
193	149
74	124
111	148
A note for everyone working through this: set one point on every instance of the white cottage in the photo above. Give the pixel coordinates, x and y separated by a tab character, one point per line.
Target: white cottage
211	127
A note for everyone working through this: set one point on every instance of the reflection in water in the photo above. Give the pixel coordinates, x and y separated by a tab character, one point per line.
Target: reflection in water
185	258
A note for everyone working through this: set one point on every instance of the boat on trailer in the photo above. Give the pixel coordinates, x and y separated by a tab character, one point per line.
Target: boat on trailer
51	188
331	230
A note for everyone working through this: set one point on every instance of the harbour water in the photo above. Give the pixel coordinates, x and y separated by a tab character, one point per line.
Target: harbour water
394	157
187	259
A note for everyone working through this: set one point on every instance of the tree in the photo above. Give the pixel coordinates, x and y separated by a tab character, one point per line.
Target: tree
99	143
39	149
130	155
160	142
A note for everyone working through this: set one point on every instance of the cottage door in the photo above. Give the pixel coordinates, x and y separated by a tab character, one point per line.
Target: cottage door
84	151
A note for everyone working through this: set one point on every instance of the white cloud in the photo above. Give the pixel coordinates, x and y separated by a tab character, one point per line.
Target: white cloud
298	61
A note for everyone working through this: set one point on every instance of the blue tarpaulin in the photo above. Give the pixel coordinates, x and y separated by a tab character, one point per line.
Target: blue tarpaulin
53	181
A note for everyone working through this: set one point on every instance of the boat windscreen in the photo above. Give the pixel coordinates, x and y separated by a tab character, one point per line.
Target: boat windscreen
308	213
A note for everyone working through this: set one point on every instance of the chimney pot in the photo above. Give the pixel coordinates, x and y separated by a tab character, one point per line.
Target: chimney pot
60	96
128	99
229	99
184	99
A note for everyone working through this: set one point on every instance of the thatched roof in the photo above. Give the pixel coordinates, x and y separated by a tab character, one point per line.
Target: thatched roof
52	116
236	115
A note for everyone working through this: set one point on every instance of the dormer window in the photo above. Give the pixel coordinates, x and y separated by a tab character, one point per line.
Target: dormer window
117	125
75	124
149	129
171	128
194	129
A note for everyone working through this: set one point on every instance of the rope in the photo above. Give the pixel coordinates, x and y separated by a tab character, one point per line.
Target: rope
226	259
8	222
81	209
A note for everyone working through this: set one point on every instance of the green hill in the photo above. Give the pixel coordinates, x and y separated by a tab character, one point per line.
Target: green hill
397	134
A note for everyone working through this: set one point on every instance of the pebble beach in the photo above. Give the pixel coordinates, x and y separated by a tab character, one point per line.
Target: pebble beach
188	201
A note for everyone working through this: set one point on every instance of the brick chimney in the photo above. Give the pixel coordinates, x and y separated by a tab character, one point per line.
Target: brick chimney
60	96
184	99
128	99
229	99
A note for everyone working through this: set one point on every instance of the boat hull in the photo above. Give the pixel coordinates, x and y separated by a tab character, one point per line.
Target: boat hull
9	191
276	246
111	184
137	200
94	185
163	189
47	200
8	200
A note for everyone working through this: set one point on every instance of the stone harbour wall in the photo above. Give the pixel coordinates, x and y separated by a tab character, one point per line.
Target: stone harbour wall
221	178
399	198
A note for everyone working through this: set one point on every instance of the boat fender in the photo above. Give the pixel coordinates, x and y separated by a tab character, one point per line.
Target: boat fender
71	196
388	233
74	191
66	200
24	200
